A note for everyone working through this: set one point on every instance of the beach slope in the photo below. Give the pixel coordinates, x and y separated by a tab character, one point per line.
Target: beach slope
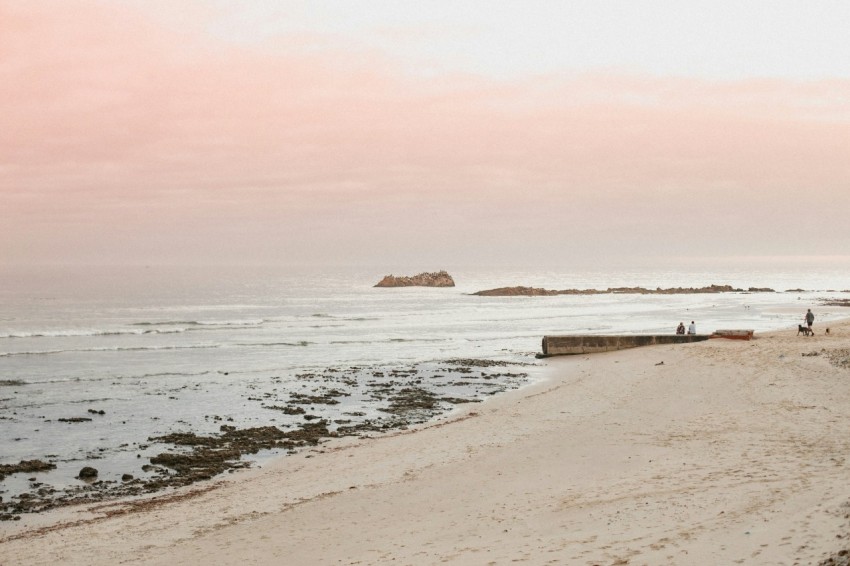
717	452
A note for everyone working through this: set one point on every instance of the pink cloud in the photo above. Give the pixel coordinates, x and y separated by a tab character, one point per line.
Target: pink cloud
117	126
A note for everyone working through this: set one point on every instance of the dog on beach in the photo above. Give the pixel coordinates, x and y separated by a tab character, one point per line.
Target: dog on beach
804	329
827	330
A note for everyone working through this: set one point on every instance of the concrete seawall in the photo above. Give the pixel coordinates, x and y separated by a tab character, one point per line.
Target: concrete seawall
567	345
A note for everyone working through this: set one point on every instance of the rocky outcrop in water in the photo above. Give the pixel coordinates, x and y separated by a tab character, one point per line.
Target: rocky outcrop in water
438	279
538	292
519	292
25	466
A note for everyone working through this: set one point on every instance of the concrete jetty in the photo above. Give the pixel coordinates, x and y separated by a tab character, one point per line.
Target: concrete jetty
588	344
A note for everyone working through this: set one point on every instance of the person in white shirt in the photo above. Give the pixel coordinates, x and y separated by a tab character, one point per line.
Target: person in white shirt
692	328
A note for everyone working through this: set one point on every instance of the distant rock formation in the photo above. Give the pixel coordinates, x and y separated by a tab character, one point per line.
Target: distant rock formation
537	292
518	292
439	279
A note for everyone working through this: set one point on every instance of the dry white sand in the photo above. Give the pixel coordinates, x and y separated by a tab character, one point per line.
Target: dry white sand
729	452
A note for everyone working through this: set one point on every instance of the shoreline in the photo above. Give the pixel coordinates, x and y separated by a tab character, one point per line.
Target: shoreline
722	453
335	403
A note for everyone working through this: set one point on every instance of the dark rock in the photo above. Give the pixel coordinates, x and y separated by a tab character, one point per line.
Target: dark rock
25	466
325	399
87	473
286	410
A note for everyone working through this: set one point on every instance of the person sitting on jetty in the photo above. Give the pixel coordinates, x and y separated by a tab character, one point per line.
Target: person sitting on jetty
692	328
681	328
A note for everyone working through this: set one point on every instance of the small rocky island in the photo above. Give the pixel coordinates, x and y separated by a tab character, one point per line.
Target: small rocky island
538	292
438	279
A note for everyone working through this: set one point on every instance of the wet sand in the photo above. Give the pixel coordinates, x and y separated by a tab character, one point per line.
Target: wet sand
727	452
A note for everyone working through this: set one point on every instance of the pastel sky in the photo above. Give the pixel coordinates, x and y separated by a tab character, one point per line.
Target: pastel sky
423	133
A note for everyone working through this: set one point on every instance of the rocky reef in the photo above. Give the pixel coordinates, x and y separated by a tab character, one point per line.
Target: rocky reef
438	279
331	403
539	292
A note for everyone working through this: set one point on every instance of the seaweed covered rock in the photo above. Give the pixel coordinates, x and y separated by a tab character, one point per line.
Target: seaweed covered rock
25	467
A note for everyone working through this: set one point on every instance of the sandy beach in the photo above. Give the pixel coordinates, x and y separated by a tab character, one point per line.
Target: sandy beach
718	452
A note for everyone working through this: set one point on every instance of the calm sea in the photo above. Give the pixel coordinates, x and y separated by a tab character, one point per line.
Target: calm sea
162	349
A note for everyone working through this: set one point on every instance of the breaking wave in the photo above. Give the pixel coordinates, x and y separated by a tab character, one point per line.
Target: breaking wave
171	327
300	343
89	333
226	323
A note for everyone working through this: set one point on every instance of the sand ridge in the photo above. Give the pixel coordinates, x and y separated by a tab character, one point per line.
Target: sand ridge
727	452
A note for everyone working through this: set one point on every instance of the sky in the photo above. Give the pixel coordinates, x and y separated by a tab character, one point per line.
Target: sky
427	133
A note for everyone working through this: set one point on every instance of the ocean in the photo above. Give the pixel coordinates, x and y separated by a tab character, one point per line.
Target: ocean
97	361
